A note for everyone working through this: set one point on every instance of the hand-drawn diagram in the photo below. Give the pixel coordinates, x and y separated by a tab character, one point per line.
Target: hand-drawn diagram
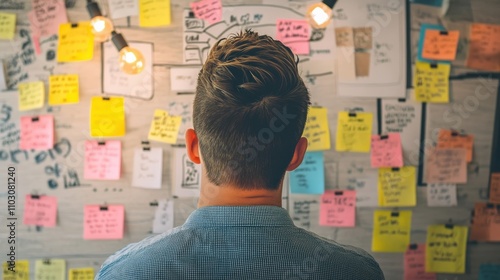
190	174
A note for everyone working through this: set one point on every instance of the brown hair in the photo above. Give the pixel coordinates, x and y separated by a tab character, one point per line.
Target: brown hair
249	111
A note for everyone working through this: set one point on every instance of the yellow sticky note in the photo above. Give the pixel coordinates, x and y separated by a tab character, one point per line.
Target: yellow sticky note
18	270
431	82
7	26
153	13
31	95
50	269
107	116
391	231
317	130
164	128
397	186
354	132
445	251
76	42
84	273
63	89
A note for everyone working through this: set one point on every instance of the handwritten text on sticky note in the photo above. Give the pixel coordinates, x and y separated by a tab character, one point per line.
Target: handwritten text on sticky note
446	246
441	194
103	222
354	131
31	95
452	139
317	130
154	13
440	45
309	177
414	264
50	269
7	26
102	160
386	150
123	8
37	133
40	211
495	188
63	89
391	231
19	271
84	273
209	10
432	82
46	17
164	128
447	166
484	47
397	186
338	208
294	34
76	42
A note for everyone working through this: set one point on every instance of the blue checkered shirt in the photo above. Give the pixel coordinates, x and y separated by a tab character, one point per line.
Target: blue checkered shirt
239	242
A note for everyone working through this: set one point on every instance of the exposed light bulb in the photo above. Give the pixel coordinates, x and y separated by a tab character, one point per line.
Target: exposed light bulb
320	14
101	27
131	60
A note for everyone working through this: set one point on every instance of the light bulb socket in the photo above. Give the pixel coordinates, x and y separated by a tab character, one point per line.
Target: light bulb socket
330	3
118	40
93	9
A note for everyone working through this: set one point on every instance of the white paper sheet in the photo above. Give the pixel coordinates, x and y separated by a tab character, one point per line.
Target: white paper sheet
186	175
441	194
164	216
183	79
147	171
123	8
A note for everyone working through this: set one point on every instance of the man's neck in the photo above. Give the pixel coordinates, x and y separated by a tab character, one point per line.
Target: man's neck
212	195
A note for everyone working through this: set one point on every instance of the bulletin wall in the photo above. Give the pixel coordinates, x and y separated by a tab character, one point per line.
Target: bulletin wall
59	172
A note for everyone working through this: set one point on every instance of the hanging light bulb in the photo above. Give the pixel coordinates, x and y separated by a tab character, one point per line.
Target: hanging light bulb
320	14
101	26
131	60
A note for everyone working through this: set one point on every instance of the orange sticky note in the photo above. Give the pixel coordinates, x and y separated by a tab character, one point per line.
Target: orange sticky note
494	196
414	263
102	160
40	210
485	223
440	45
386	150
452	139
338	208
103	222
37	133
209	10
63	89
484	47
294	33
447	166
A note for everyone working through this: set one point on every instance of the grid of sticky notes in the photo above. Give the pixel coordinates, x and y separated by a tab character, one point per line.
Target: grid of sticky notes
31	95
107	116
40	210
37	133
76	42
354	130
397	186
164	127
7	26
154	13
103	222
102	160
317	130
63	89
391	230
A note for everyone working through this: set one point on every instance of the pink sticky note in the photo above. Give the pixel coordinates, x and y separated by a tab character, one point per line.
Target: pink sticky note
40	211
338	208
103	222
102	160
209	10
387	150
37	133
293	34
414	263
46	17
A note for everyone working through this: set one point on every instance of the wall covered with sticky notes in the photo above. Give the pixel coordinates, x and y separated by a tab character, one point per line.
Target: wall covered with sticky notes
400	129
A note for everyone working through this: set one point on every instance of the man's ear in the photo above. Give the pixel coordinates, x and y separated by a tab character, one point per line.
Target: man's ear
298	154
192	147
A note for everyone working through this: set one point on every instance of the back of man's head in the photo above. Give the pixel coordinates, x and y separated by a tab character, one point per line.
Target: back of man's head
249	111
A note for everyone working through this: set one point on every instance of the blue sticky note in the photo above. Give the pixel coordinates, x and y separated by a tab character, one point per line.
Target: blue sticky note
309	177
435	3
489	271
421	38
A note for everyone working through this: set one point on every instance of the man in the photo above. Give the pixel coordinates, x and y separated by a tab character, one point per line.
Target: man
249	114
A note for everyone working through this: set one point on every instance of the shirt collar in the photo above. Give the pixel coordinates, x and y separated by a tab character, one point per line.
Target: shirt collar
221	216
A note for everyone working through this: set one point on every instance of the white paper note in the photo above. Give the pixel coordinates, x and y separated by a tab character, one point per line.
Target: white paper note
186	174
164	216
441	194
123	8
183	79
147	168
